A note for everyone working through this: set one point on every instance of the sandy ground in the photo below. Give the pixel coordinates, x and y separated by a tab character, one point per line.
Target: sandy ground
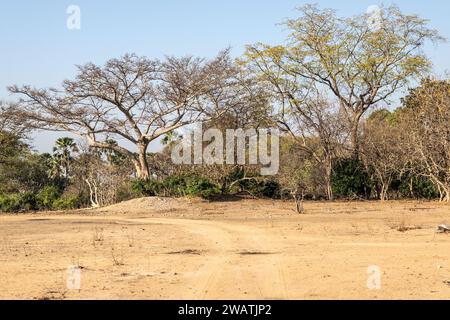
248	249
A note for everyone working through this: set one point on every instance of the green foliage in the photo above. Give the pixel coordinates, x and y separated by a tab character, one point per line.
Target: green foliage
65	203
47	196
253	185
28	201
176	186
415	187
146	188
351	179
11	147
25	173
201	187
265	188
17	202
125	192
10	202
25	184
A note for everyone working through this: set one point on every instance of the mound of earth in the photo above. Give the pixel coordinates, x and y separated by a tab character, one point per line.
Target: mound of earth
148	205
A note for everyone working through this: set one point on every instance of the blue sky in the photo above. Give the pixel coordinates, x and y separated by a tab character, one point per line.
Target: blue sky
37	48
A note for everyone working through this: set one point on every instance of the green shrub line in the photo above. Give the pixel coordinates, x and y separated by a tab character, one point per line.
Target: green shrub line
49	198
350	180
176	186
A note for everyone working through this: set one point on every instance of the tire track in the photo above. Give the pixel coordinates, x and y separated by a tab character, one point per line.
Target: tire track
243	261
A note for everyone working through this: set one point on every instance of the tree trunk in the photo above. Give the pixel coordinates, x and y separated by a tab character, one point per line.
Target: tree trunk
354	135
93	194
411	188
447	196
444	194
141	164
328	177
383	193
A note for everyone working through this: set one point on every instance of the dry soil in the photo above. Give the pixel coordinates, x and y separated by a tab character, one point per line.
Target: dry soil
157	248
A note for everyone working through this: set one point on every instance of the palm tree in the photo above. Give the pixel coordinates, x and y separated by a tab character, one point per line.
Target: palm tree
62	153
112	156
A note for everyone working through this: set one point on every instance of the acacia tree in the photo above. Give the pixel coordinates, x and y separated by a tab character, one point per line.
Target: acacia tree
351	60
133	100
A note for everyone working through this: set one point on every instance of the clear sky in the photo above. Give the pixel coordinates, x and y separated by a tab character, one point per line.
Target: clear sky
37	48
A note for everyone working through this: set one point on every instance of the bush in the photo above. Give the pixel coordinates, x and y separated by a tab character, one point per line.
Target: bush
46	199
17	202
351	179
201	187
415	186
125	192
47	196
266	188
176	186
28	202
146	188
10	202
65	203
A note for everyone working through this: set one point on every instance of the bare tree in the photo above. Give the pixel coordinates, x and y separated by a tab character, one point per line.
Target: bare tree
319	131
133	100
383	149
295	176
250	109
9	122
306	114
426	122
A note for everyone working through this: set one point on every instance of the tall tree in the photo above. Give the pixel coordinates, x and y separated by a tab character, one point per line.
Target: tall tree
131	99
351	60
62	152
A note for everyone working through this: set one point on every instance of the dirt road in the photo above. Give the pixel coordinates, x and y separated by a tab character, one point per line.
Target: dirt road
249	249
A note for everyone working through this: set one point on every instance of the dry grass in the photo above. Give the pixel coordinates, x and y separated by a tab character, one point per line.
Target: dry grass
97	236
118	257
402	224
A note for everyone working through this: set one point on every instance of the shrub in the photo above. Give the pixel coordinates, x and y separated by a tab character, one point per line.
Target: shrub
265	188
28	201
415	186
146	188
201	187
47	196
350	179
65	203
10	202
175	186
125	192
15	202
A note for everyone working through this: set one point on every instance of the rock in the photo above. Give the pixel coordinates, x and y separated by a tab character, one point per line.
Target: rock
442	228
